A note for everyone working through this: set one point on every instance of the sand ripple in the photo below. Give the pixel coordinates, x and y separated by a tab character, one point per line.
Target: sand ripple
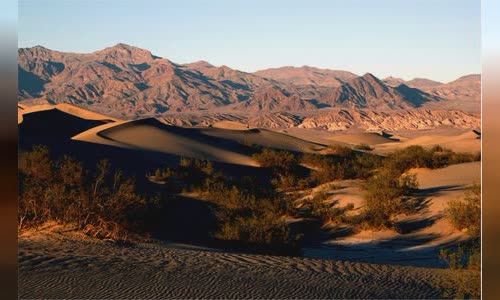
65	268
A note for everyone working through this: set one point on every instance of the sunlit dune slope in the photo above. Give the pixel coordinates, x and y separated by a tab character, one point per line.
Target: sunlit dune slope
222	145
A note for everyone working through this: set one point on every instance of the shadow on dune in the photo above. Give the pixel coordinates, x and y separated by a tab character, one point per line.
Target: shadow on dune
412	225
53	124
436	190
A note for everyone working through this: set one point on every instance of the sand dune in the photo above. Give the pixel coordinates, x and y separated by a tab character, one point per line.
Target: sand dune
423	233
463	141
67	108
370	138
217	144
62	266
266	138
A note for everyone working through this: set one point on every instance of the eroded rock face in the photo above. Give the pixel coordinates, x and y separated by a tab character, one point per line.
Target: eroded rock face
397	120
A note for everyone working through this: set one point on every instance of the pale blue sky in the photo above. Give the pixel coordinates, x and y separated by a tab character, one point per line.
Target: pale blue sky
436	39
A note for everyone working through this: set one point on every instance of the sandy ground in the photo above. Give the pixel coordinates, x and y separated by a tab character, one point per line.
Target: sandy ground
424	232
62	266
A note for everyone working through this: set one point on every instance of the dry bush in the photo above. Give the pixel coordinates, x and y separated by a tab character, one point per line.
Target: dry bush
419	157
341	151
466	214
265	232
276	159
103	204
385	197
364	147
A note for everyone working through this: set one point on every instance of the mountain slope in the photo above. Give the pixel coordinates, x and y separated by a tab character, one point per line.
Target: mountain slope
128	82
368	91
307	76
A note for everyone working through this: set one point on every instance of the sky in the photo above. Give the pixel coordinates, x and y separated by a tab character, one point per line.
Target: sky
435	39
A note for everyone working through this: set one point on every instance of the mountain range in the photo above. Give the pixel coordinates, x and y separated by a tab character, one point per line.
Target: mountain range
130	82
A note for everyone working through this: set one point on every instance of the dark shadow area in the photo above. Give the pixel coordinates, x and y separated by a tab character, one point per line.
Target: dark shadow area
140	67
53	124
186	220
111	66
141	87
410	226
436	190
30	83
318	104
414	96
235	85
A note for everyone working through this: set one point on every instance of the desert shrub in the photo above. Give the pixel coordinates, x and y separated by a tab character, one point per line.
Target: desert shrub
419	157
409	157
341	151
326	212
103	204
385	197
365	147
332	167
276	159
465	265
466	214
249	211
284	166
264	232
249	219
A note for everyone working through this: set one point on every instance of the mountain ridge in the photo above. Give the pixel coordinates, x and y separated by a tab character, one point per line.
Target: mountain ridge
128	81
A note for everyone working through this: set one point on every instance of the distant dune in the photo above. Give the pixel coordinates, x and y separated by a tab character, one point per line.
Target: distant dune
63	107
464	141
369	138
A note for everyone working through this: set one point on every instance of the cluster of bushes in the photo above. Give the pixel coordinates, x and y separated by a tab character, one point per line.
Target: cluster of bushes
466	215
387	191
435	157
334	167
327	211
386	195
102	203
341	163
249	213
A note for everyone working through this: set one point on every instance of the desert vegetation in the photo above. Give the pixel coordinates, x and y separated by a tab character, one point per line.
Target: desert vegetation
250	212
465	258
102	202
364	147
